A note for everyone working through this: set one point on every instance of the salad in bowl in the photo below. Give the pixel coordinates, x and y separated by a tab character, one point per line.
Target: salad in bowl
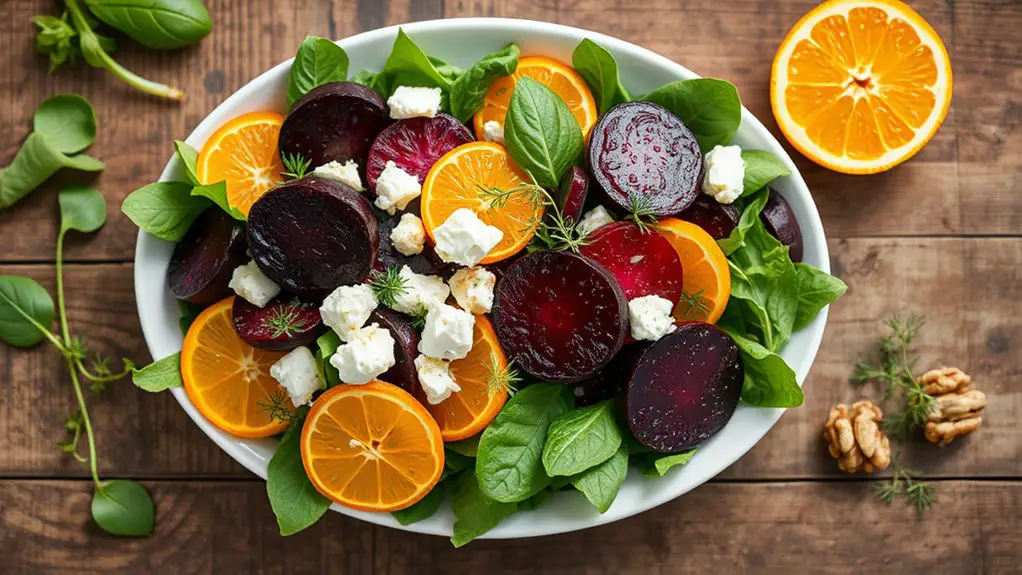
511	283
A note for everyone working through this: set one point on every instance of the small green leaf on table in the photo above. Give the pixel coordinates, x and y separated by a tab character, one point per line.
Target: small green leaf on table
157	24
580	439
123	507
599	69
26	311
82	209
709	107
34	163
294	500
318	61
541	133
159	375
67	121
164	209
600	484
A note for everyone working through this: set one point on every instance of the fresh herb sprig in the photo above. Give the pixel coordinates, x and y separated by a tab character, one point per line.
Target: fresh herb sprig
553	231
693	304
641	212
506	377
296	166
279	408
388	286
908	484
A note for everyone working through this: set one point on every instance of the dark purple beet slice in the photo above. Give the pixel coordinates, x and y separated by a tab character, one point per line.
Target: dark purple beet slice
683	388
406	347
716	218
593	389
780	221
639	149
559	316
203	262
571	195
426	263
284	324
334	122
312	235
643	262
415	145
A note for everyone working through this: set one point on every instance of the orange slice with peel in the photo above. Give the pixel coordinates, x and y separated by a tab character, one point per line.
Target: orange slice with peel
372	447
859	86
706	282
243	152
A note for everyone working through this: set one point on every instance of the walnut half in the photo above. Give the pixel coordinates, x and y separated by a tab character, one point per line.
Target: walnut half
956	410
854	437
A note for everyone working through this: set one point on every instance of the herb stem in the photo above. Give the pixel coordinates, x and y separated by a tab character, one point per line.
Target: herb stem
84	371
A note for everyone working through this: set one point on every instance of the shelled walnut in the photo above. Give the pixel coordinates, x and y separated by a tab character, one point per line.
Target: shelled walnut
854	437
956	408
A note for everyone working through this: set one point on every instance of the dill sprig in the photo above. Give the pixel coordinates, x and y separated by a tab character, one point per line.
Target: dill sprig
640	212
279	408
388	285
506	377
284	321
296	166
693	304
553	231
908	484
419	318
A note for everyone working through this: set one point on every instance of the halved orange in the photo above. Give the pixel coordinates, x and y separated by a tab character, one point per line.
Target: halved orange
482	394
226	379
372	447
706	281
559	77
472	176
244	153
859	86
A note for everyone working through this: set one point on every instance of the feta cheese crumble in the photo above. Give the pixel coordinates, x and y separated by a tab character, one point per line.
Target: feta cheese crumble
465	239
594	219
448	333
409	235
408	102
421	293
725	170
250	283
346	173
395	188
650	317
368	353
296	372
473	289
347	309
435	378
493	132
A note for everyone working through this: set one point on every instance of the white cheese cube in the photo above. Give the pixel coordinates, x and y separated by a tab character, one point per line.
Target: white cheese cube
250	283
493	132
408	102
448	333
421	293
347	309
395	188
650	317
465	239
473	289
298	374
594	219
725	171
409	235
435	378
368	353
346	173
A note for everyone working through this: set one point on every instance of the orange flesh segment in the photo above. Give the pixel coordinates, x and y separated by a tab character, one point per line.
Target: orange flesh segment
244	153
705	271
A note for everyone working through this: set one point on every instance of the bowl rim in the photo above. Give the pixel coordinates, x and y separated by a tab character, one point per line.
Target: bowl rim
809	222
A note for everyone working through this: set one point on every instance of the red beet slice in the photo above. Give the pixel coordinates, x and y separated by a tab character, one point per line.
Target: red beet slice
312	235
406	347
334	122
415	145
718	219
203	262
427	263
593	389
284	324
571	195
559	316
639	149
643	262
780	221
683	388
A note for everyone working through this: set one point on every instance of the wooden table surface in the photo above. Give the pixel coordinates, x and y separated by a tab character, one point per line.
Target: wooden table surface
939	235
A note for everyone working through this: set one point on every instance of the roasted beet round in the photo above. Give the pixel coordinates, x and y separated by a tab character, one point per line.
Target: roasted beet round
406	347
334	122
312	235
593	389
427	263
203	262
683	388
572	193
780	221
415	145
559	316
285	323
641	150
643	261
718	219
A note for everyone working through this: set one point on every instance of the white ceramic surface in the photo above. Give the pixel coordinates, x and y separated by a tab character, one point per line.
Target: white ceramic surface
461	42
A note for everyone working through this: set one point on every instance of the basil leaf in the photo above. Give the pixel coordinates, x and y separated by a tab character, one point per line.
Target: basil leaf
26	311
749	216
189	158
159	375
658	464
761	168
34	163
467	447
470	88
82	209
164	209
709	107
189	311
425	507
599	69
158	24
600	484
580	439
328	344
318	61
67	121
509	465
123	507
408	65
816	289
295	502
769	382
540	132
474	512
218	193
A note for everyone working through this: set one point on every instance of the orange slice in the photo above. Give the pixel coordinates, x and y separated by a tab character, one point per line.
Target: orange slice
859	86
706	281
228	380
561	78
244	153
371	447
482	394
458	180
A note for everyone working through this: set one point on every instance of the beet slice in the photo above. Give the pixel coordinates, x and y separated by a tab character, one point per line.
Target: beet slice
284	324
718	219
683	388
203	262
427	263
640	149
312	235
334	122
780	221
406	347
571	195
593	389
559	316
415	145
643	261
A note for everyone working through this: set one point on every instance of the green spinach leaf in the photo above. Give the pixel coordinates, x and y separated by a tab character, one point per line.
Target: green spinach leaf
294	500
158	24
474	512
26	311
470	88
82	209
816	289
599	69
658	464
218	194
164	209
427	506
34	163
467	447
189	157
159	375
67	121
769	382
188	313
749	216
540	132
580	439
319	61
709	107
763	279
601	483
328	344
761	168
408	65
123	507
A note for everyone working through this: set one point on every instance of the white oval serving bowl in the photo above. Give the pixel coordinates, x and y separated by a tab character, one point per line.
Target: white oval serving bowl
462	42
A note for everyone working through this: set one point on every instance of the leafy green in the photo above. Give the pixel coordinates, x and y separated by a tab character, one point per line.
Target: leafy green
769	382
540	132
318	61
158	24
658	464
580	439
454	461
761	168
218	194
26	311
34	163
82	209
709	107
369	79
816	289
599	69
159	375
470	88
67	121
189	157
408	65
328	344
467	447
123	507
749	216
601	483
188	313
294	500
164	209
427	506
474	512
